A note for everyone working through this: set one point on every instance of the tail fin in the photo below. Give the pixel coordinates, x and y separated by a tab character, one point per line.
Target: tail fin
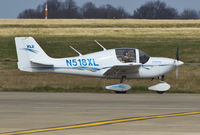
30	54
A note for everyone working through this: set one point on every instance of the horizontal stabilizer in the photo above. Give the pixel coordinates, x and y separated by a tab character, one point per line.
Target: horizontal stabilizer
41	62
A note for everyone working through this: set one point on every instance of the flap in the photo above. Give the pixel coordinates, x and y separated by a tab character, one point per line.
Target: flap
122	70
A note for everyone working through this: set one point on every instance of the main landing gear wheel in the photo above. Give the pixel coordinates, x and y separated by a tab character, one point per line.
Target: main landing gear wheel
119	88
120	92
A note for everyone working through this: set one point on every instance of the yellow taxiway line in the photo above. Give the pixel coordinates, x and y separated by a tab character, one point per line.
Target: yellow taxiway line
98	123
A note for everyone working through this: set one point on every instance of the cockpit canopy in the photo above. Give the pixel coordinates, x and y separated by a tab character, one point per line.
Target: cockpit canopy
143	57
128	55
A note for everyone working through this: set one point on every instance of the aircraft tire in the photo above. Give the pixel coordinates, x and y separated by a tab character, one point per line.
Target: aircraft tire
120	92
160	92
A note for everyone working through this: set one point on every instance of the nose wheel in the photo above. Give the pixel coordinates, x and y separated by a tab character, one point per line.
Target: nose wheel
160	92
162	87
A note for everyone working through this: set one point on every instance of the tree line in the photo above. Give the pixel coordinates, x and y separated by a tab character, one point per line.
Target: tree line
69	9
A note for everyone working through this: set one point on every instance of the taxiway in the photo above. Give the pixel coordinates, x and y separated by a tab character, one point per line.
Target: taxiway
39	111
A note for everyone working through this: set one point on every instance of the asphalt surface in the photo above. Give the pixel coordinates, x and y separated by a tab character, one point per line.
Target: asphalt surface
34	111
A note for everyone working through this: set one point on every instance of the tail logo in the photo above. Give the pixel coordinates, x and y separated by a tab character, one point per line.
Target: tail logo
30	48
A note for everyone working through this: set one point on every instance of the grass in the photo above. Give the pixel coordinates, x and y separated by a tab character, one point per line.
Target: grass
155	37
98	23
14	80
55	40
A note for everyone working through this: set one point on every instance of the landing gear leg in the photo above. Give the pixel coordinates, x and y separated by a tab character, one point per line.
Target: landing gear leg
121	81
162	78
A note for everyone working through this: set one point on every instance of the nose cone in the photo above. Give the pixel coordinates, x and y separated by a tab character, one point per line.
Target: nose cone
179	63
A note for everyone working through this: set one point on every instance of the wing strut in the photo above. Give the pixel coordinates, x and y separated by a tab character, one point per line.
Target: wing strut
100	45
75	50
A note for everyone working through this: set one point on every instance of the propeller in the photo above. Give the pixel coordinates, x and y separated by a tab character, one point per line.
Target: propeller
177	58
176	72
177	62
177	54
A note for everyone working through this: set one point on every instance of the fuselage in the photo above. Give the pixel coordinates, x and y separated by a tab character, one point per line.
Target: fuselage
96	64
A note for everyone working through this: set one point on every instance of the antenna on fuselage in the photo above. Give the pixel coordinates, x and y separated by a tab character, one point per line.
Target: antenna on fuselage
75	50
100	45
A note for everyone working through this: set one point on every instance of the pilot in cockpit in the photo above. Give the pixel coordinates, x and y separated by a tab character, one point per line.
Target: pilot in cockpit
127	56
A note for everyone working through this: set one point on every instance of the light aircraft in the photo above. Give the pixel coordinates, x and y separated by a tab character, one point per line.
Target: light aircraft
119	63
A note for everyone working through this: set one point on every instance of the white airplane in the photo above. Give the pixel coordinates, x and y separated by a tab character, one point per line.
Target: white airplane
119	63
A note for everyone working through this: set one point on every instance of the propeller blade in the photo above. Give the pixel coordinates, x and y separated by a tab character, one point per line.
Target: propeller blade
177	54
176	72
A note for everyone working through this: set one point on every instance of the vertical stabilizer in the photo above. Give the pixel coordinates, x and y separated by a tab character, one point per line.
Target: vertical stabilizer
29	51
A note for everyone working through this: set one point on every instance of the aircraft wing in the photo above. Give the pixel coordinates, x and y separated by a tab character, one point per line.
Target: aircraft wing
120	70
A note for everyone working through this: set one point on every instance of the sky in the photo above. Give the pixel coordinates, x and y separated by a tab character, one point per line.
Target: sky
11	8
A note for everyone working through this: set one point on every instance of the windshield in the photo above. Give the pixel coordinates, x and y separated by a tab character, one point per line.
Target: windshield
126	55
143	57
